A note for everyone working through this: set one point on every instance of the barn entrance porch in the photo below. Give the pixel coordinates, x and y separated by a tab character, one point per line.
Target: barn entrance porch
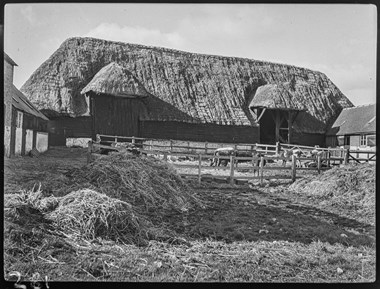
276	125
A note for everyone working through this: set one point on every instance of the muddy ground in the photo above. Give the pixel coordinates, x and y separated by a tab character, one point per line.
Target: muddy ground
232	213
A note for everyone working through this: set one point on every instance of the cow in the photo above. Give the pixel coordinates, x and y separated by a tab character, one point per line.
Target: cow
287	155
222	152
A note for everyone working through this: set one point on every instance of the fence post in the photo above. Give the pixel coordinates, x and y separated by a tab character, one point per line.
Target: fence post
199	169
346	156
89	151
261	171
97	138
277	148
328	157
133	140
294	168
171	145
319	163
232	160
206	148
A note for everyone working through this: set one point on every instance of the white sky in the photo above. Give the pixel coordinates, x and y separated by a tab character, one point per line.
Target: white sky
338	40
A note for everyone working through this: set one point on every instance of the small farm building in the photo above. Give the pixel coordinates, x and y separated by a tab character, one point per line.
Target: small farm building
354	128
25	127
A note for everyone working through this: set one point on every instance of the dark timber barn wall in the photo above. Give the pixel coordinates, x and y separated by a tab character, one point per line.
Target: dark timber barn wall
199	132
309	139
63	127
116	115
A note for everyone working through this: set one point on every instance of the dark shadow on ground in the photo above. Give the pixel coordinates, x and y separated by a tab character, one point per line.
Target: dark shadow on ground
236	215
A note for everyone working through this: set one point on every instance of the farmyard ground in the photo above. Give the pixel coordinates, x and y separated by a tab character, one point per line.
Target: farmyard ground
256	234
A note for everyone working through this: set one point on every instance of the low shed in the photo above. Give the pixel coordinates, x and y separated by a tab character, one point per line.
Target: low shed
354	128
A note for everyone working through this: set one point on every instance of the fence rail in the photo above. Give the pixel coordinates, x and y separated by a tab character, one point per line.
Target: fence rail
167	148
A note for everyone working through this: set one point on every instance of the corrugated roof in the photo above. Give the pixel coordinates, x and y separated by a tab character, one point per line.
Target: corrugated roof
355	120
10	60
20	102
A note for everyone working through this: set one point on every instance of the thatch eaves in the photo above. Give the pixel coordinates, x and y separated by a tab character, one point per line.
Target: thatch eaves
115	80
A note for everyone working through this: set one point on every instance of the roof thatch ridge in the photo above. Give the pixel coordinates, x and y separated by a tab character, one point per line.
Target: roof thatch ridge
114	79
165	49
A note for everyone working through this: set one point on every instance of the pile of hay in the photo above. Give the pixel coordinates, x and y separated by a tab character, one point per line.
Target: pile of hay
146	183
27	207
90	215
119	197
349	190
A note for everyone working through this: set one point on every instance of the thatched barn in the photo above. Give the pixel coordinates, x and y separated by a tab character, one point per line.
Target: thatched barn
25	127
119	105
219	98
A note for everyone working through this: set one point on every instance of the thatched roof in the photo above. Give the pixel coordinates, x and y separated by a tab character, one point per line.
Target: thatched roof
276	96
206	87
115	80
355	120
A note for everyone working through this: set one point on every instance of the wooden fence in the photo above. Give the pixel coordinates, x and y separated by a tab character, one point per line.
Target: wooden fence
202	152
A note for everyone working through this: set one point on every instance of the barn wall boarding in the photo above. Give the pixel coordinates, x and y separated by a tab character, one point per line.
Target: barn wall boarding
116	115
309	139
199	132
61	128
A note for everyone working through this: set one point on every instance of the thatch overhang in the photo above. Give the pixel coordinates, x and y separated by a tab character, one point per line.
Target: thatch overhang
311	115
274	96
115	80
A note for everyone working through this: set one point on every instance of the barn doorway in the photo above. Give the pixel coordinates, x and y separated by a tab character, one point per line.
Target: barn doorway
275	124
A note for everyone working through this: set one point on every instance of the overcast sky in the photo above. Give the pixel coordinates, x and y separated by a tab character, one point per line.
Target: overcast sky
338	40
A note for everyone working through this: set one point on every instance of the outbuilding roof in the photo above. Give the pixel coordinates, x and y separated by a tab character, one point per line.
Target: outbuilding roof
20	102
10	60
355	120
